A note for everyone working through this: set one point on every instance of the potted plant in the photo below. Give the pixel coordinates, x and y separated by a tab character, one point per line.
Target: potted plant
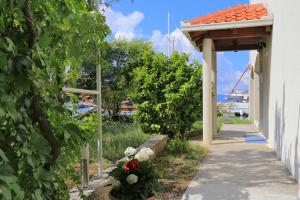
135	175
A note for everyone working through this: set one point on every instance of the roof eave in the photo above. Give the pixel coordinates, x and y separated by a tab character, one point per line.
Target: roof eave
187	35
266	21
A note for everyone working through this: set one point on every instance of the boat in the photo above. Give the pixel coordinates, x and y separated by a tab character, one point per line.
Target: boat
238	104
239	100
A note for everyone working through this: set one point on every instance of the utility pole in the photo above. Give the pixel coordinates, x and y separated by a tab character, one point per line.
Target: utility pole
168	33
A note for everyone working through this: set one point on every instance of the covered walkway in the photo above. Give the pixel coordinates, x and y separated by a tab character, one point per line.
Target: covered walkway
240	166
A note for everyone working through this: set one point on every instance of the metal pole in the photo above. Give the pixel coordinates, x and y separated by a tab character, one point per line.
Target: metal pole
85	166
99	106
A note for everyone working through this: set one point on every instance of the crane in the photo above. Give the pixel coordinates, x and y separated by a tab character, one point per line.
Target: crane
239	80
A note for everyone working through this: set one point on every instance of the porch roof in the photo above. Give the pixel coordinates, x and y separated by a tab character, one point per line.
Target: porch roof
236	28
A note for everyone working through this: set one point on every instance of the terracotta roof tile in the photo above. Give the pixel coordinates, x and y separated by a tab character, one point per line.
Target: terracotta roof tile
240	12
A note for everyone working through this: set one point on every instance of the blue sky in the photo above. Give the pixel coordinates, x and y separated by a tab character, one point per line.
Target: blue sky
147	20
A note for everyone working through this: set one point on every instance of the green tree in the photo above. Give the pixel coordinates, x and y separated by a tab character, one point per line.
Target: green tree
39	39
120	58
168	94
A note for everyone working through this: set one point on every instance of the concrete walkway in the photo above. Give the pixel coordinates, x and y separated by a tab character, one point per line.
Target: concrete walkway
236	170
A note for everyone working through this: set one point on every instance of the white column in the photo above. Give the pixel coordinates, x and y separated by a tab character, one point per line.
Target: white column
256	102
251	94
207	91
214	92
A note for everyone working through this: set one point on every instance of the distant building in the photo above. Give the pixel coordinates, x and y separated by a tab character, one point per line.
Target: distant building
127	108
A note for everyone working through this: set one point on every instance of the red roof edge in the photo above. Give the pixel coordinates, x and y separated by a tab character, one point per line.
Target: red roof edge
241	12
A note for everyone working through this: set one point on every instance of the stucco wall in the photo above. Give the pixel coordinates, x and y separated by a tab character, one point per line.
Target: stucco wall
283	103
255	88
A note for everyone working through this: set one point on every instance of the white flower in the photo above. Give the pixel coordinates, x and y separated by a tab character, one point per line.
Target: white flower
130	151
131	179
144	154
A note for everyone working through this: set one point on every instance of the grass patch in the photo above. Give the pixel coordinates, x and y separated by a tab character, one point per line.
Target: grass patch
235	120
177	168
115	143
197	128
117	136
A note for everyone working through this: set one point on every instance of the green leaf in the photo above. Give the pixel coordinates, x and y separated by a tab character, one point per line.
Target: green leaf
30	161
3	3
72	129
11	47
26	150
44	40
2	25
20	3
8	179
3	62
3	156
5	192
66	135
19	193
22	128
22	83
38	194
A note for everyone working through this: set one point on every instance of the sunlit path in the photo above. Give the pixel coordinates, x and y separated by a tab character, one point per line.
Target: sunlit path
239	170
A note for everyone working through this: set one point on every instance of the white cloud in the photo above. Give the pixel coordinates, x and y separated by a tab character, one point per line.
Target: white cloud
177	40
124	26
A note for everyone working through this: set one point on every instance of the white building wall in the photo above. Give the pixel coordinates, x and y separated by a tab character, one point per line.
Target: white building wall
283	104
255	89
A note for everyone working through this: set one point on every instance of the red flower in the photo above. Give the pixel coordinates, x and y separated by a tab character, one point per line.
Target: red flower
131	166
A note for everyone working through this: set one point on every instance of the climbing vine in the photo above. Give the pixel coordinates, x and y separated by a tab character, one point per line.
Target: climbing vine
39	41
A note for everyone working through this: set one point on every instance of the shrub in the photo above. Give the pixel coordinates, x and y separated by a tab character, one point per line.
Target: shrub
177	146
219	113
137	177
126	119
167	94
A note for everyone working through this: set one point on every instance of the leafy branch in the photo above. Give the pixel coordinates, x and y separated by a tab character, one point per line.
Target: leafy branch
44	124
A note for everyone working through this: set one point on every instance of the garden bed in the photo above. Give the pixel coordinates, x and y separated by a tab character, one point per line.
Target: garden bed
100	189
117	136
177	166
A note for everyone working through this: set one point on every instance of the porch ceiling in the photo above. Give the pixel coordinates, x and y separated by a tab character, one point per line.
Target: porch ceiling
232	39
238	28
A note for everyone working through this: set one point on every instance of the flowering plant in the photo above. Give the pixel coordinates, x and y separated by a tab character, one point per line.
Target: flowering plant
135	174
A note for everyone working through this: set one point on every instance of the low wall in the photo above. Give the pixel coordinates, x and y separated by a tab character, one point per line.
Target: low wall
99	189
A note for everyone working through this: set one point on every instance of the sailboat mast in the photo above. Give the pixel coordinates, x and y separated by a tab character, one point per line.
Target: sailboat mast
168	33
